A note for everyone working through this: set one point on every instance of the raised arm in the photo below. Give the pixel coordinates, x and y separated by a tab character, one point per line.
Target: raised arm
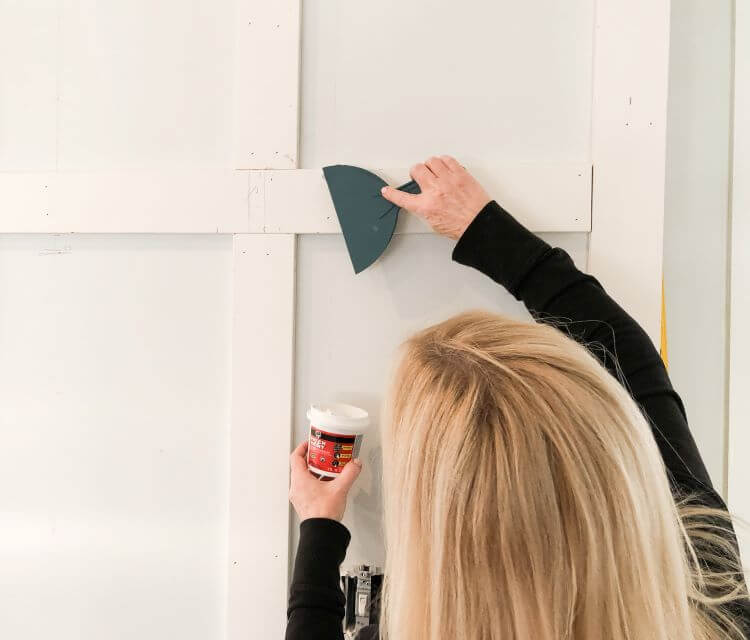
556	292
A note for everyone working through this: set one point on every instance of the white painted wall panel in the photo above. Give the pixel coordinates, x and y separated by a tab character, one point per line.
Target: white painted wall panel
739	372
28	84
696	218
145	84
114	398
262	378
389	83
348	328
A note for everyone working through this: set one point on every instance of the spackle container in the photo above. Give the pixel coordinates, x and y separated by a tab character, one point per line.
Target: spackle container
336	433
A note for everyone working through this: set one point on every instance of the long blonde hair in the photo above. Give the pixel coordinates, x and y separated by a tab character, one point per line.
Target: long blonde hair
525	498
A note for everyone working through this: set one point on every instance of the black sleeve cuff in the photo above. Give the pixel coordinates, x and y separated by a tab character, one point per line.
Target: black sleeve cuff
499	246
322	549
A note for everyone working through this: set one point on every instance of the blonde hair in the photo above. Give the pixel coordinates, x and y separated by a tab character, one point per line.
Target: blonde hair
525	498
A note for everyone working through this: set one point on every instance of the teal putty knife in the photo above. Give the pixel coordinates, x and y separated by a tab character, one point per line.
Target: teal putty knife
367	219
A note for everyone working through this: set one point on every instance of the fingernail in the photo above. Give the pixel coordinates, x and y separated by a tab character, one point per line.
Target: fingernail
357	461
383	189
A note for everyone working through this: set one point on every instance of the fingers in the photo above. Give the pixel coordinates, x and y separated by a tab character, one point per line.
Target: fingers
298	458
427	176
437	166
349	475
422	175
400	198
451	163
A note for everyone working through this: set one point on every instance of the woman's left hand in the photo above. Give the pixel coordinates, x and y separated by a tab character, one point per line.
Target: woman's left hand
313	498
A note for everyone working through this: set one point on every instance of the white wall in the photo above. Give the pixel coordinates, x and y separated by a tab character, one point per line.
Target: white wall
739	401
122	535
389	83
114	403
695	226
123	84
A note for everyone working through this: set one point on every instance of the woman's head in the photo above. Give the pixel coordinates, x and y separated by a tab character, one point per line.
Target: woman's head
524	494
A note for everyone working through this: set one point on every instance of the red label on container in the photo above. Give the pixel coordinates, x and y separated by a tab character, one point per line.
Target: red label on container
330	452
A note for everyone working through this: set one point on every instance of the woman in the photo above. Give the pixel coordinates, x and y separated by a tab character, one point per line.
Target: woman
534	486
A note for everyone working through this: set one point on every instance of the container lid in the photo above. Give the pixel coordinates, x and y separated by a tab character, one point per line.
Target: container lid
338	415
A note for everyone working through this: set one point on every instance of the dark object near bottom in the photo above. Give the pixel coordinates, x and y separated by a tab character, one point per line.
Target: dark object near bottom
362	588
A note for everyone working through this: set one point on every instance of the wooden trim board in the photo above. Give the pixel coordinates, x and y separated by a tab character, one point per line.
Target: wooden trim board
631	65
273	201
262	379
267	84
738	440
124	202
299	202
267	135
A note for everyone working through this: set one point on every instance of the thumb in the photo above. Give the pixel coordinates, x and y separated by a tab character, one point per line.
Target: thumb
349	474
400	198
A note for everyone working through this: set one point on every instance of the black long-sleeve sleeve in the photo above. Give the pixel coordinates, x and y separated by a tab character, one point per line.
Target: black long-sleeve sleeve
316	601
545	279
555	292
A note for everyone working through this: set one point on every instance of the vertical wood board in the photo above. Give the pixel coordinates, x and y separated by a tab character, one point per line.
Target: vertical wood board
266	84
631	64
739	352
262	376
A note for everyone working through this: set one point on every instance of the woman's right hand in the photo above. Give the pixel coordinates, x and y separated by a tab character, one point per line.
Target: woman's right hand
451	197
